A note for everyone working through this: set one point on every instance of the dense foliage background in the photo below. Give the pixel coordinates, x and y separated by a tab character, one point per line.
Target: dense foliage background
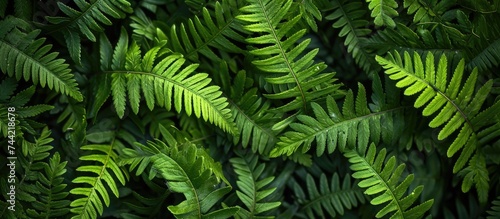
250	109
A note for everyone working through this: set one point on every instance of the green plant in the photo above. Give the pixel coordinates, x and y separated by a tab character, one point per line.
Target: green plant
250	109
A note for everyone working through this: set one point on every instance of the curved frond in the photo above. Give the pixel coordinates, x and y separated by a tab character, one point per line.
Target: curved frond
381	178
458	104
252	190
167	83
22	55
278	55
331	198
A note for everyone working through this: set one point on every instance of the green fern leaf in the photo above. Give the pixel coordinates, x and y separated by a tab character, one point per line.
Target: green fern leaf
86	20
487	58
52	201
185	174
252	189
169	81
458	105
91	205
355	124
279	57
383	182
331	198
383	11
349	18
24	56
216	30
251	116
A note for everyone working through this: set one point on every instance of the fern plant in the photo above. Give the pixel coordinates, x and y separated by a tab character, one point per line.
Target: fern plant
249	109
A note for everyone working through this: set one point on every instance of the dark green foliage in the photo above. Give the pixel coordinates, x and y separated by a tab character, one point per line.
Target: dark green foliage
330	199
250	109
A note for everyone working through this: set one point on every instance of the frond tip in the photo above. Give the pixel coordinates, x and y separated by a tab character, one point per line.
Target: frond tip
384	183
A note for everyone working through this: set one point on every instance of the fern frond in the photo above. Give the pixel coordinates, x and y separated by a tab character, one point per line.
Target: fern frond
331	198
22	55
52	200
165	83
355	124
104	172
383	181
280	57
39	191
253	190
185	173
87	19
216	30
487	58
383	11
349	18
458	105
494	212
250	113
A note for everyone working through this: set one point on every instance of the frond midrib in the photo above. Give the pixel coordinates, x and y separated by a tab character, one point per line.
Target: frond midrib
437	90
72	21
349	121
327	196
283	53
380	179
98	178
